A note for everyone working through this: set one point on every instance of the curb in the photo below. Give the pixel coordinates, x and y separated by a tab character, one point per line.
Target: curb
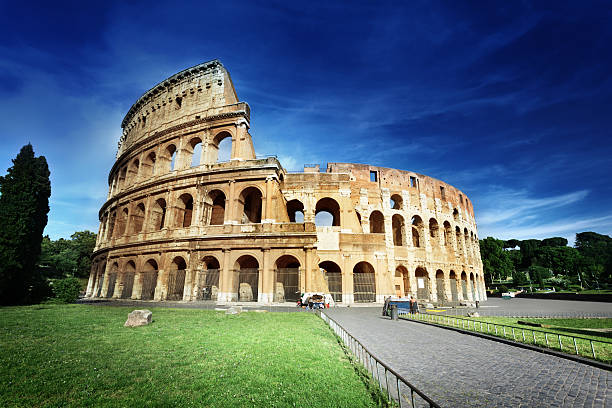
579	359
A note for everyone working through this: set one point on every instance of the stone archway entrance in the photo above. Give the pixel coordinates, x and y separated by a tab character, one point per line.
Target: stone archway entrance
422	283
364	283
286	288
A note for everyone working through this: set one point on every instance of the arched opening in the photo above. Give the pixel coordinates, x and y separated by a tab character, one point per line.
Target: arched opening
128	280
295	210
459	240
327	213
100	279
111	224
196	151
176	279
148	165
112	279
364	283
158	215
396	202
248	278
333	276
250	200
122	222
215	208
433	231
184	211
122	178
377	223
397	224
137	218
473	286
148	279
286	287
358	217
453	286
171	157
448	231
208	279
478	288
422	283
221	148
466	239
133	172
417	231
440	286
455	214
402	282
464	285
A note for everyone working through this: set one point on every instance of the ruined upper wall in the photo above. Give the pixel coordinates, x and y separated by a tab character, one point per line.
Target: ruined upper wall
397	180
203	91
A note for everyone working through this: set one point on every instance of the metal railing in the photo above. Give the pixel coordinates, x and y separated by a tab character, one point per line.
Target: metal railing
381	371
581	345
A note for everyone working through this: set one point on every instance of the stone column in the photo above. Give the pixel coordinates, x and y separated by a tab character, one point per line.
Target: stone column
266	294
225	278
137	288
229	203
433	285
91	281
348	296
267	213
105	282
306	280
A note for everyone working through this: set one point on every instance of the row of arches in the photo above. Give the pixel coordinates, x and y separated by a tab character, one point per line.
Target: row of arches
204	281
177	282
327	213
180	213
170	157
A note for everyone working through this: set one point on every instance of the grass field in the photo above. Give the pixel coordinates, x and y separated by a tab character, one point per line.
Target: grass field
76	356
559	337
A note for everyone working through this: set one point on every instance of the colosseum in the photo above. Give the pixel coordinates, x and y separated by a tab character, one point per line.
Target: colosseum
192	214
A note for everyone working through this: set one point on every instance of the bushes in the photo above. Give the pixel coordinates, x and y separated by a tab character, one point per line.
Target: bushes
66	290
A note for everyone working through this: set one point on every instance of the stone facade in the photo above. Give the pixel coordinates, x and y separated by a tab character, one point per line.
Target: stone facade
183	223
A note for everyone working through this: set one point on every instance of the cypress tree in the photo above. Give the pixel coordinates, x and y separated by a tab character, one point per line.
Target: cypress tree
24	204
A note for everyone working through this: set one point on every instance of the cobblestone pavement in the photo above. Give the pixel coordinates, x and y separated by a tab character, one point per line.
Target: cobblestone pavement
458	370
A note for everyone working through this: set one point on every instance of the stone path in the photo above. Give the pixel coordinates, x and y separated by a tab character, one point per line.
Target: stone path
458	370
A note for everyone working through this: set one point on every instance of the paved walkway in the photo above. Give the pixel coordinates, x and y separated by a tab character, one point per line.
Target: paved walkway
458	370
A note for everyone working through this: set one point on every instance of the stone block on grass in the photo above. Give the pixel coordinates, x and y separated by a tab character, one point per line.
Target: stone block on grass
139	318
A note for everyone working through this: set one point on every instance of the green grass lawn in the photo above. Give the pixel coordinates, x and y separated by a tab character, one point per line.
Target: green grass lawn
536	335
77	355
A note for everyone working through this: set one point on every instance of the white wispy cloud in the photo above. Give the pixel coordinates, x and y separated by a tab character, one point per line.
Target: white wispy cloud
506	204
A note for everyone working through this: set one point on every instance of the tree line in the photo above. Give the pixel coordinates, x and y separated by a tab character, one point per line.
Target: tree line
550	261
33	267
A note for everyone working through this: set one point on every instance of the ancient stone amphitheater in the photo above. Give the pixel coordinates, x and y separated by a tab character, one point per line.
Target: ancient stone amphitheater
183	222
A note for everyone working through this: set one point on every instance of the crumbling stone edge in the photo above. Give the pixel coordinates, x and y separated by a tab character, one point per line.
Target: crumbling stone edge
579	359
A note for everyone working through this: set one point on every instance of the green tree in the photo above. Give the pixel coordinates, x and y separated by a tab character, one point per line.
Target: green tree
495	261
554	242
511	243
538	274
596	250
529	249
65	258
24	204
562	260
519	278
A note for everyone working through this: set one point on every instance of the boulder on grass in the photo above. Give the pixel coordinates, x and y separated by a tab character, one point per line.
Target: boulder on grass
234	310
139	318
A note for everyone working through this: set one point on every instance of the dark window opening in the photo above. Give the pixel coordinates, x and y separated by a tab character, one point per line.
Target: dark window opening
442	193
373	176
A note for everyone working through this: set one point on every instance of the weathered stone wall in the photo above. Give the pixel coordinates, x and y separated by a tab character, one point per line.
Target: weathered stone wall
177	226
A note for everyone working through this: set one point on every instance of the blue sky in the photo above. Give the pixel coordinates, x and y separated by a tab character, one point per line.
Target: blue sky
509	101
